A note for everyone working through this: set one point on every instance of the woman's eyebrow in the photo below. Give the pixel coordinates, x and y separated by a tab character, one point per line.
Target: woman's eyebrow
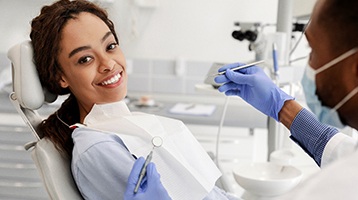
73	52
109	33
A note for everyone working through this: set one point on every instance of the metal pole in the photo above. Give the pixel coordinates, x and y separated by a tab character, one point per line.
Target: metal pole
284	25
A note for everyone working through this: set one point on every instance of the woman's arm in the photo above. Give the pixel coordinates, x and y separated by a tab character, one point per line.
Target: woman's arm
101	164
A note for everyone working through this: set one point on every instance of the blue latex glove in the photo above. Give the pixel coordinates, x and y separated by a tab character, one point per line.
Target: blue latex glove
253	86
151	186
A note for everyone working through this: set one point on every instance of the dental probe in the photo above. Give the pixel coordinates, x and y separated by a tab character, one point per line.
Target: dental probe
157	141
240	67
143	171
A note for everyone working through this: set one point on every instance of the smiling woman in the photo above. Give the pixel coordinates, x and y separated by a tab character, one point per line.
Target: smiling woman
56	48
76	52
93	64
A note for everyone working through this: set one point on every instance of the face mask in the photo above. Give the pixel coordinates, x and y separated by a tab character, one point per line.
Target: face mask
325	114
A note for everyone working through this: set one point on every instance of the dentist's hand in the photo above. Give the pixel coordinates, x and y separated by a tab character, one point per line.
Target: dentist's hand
252	85
151	186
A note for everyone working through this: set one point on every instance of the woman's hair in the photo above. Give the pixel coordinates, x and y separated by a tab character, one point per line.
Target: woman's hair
46	34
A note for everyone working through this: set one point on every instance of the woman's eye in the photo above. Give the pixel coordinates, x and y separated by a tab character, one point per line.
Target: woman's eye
112	46
84	60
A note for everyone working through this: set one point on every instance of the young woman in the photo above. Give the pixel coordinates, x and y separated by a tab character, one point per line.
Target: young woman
76	51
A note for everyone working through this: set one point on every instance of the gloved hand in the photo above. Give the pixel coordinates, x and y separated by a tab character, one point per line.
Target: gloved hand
151	186
253	86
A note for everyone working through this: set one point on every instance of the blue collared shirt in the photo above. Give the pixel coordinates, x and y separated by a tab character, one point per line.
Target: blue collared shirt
311	134
100	164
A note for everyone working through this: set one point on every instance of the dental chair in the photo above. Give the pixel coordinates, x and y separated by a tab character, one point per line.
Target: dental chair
27	97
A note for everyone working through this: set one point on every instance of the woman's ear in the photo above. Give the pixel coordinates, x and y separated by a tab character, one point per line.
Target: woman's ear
63	82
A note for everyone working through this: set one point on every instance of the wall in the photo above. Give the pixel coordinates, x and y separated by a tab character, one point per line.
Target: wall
189	29
303	7
15	20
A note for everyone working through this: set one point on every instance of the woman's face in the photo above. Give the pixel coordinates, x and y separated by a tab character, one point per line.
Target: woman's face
93	65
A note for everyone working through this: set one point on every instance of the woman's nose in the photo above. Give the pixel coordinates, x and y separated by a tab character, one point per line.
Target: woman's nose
106	65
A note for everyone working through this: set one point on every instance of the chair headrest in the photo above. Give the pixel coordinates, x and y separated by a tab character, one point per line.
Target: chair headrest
26	83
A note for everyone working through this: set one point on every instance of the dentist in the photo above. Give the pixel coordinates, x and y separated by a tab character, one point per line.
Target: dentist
330	83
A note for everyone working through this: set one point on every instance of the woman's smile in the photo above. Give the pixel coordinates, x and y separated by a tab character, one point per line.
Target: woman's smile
112	81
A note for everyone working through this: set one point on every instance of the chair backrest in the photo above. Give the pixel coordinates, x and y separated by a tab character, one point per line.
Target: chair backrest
28	95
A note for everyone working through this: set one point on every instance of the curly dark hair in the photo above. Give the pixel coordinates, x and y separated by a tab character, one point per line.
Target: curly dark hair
45	36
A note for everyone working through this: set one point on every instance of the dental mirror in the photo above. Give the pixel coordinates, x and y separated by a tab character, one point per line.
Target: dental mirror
157	141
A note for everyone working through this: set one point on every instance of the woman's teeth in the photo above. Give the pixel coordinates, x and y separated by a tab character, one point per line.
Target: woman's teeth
113	80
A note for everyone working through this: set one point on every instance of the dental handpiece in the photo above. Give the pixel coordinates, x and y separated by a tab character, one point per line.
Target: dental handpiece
240	67
143	171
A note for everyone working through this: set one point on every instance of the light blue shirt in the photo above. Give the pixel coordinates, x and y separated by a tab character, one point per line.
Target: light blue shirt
101	165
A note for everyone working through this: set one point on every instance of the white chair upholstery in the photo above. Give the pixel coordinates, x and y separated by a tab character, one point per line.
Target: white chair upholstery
54	169
27	97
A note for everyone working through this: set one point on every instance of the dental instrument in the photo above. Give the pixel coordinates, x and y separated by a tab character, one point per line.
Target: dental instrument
275	74
240	67
274	58
157	141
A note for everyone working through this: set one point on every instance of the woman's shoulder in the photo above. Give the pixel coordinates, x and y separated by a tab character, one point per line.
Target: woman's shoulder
86	138
85	134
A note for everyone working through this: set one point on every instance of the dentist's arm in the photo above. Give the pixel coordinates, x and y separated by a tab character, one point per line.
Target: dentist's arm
252	85
150	189
288	112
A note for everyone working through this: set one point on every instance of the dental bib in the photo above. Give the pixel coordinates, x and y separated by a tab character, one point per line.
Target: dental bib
187	172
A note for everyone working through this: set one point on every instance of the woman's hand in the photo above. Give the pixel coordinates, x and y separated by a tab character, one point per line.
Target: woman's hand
151	186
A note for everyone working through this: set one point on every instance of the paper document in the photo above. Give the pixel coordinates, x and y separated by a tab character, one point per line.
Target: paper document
193	109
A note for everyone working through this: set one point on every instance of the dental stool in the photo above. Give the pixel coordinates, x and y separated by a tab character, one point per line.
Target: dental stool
27	97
